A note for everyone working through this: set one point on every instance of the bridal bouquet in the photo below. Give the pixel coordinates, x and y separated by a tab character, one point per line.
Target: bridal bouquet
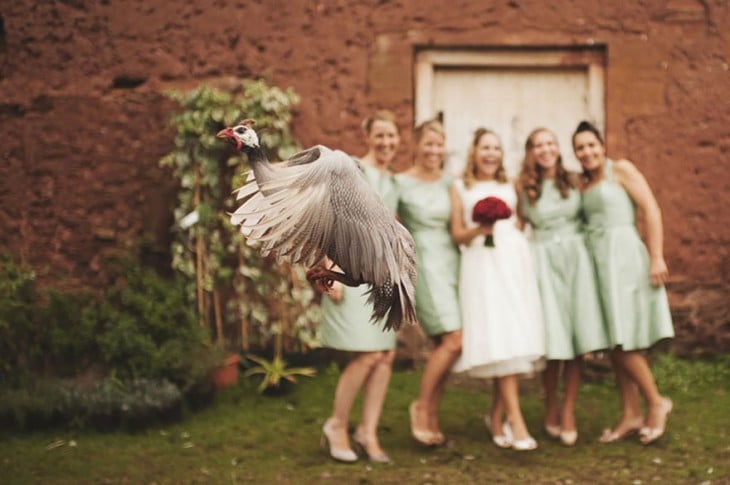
488	211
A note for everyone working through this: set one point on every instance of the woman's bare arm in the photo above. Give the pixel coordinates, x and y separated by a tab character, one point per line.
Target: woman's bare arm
459	232
638	189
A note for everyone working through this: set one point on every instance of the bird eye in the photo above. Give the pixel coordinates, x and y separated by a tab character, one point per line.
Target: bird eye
240	130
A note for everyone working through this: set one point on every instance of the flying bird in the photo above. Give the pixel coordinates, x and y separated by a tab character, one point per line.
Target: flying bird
316	208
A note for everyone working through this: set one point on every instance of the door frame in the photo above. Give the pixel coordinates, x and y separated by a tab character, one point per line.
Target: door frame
591	58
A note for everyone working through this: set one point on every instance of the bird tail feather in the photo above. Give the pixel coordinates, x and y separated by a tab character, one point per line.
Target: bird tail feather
394	304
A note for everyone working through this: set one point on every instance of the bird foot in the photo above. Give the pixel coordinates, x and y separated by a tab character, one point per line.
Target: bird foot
321	278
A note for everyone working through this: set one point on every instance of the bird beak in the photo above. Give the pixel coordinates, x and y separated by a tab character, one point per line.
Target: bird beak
227	134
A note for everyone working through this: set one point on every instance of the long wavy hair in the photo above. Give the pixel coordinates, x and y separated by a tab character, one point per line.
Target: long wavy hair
533	173
582	127
470	172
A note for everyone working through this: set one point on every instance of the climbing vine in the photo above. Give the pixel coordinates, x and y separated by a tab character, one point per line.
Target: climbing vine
229	282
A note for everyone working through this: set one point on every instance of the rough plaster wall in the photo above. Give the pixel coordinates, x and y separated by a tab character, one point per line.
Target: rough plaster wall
83	120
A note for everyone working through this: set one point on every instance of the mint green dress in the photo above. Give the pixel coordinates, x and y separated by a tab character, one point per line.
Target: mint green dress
636	312
571	309
425	209
346	325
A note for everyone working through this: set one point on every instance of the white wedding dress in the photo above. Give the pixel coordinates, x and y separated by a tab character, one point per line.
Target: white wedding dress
503	332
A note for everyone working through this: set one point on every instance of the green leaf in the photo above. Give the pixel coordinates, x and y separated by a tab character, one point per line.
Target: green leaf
199	158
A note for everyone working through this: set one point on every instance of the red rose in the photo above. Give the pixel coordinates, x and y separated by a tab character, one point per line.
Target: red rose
489	210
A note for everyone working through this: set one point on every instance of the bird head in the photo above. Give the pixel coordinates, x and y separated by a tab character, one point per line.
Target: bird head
241	135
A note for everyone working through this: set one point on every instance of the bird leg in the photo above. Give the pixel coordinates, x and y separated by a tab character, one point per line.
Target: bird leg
322	282
323	278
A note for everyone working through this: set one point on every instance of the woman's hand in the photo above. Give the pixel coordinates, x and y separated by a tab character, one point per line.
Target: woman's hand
658	271
460	233
476	231
484	229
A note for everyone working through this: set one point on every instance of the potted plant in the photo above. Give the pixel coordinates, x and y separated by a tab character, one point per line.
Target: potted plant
226	374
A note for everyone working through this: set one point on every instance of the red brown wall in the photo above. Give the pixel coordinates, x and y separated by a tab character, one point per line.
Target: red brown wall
83	118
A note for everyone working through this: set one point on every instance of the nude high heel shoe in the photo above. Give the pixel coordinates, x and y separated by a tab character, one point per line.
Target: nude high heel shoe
381	457
422	436
611	436
345	455
568	438
648	435
552	430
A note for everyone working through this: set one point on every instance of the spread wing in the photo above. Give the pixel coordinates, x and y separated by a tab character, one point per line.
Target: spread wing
318	204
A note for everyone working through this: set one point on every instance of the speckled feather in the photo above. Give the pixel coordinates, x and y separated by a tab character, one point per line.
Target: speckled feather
318	204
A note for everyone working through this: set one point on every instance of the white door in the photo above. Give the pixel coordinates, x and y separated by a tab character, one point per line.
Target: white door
511	92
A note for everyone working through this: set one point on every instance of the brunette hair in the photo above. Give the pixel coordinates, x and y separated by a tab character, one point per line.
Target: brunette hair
379	115
532	173
470	175
588	126
582	127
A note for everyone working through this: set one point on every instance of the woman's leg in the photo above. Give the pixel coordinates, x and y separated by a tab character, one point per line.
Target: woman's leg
496	413
632	418
438	365
657	406
550	383
571	380
449	350
376	387
350	381
509	392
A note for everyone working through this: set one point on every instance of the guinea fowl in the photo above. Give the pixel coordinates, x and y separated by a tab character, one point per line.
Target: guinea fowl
316	207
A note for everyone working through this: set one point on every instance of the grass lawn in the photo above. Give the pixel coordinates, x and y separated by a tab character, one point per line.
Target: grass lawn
248	438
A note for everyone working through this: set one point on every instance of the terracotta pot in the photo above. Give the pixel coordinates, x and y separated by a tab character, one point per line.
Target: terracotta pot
227	373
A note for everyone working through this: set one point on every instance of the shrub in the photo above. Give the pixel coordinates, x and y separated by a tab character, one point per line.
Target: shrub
155	333
108	405
72	324
18	335
131	405
36	406
140	327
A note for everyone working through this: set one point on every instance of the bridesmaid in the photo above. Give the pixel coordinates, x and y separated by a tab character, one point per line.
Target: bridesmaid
550	203
424	209
500	302
630	279
346	322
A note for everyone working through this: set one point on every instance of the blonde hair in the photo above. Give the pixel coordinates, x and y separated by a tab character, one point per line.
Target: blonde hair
532	173
379	115
470	172
429	125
